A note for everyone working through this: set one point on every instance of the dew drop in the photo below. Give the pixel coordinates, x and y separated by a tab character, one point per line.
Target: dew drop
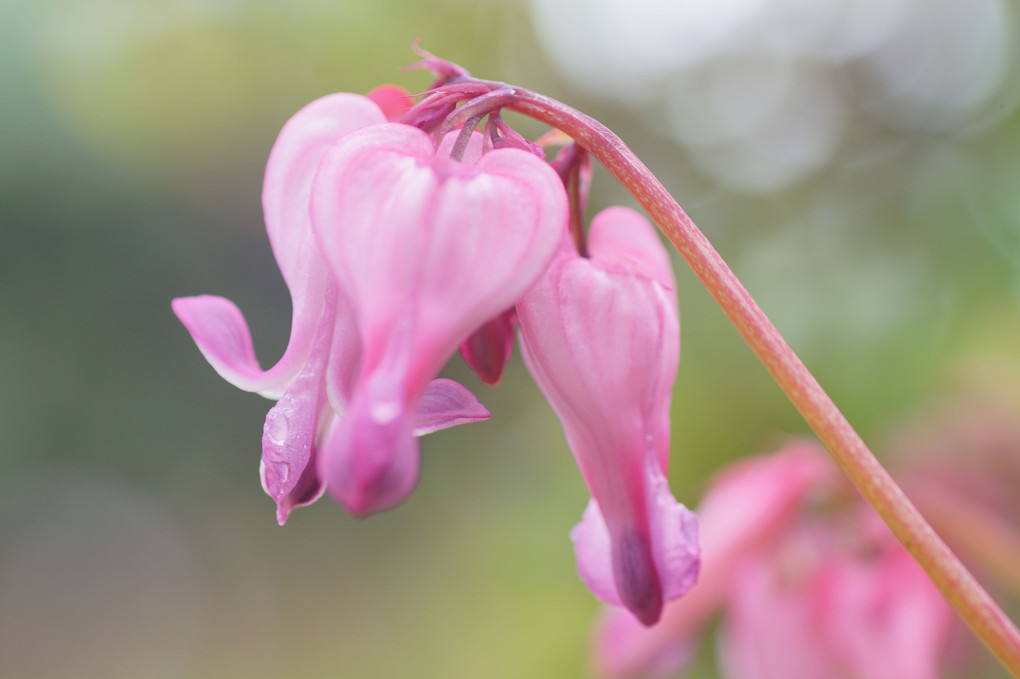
276	427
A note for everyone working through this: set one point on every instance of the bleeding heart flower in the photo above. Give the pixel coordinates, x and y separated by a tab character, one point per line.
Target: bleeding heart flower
313	378
601	337
427	249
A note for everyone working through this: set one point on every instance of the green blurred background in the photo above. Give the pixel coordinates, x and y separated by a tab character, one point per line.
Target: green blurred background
857	162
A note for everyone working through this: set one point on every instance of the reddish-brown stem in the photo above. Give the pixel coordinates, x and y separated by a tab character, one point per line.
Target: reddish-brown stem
961	590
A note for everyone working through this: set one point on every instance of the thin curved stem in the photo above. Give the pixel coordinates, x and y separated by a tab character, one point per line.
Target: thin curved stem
971	602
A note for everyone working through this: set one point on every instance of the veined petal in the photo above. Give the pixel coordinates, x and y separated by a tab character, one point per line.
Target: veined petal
287	186
446	404
621	236
285	196
601	338
427	248
344	357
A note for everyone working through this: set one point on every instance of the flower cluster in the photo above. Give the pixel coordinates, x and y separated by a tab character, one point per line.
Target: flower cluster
404	233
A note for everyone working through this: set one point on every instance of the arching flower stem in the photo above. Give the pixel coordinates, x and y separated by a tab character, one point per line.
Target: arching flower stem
971	602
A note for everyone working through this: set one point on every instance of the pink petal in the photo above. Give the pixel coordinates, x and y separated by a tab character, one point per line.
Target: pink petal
473	151
601	338
884	617
428	245
307	490
344	357
488	349
771	630
674	541
222	335
622	236
446	404
287	186
620	638
293	424
427	249
370	460
285	197
393	100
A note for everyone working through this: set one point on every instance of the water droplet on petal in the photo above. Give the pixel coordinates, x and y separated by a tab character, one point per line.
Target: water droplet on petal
276	427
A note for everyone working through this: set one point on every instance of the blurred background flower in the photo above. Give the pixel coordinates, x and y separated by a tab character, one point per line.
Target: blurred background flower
857	162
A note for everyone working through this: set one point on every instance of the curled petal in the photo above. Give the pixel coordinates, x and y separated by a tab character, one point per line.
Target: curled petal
221	333
674	543
446	404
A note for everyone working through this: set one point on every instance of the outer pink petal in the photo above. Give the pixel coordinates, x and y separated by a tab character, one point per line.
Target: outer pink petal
429	249
286	191
622	236
748	505
446	404
602	340
285	199
222	335
293	424
674	542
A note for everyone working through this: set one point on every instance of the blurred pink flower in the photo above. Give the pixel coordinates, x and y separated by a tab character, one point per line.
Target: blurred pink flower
601	337
805	589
